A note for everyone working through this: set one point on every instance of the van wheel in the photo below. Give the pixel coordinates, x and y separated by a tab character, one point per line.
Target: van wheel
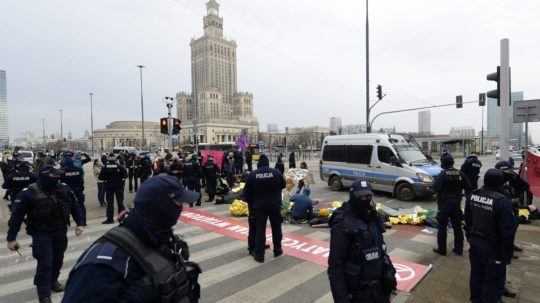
405	192
335	183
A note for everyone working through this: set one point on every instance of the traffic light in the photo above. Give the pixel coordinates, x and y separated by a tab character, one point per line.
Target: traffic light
495	94
379	92
163	126
177	126
482	100
459	101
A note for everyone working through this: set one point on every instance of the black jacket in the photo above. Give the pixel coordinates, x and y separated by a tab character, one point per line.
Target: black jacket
263	188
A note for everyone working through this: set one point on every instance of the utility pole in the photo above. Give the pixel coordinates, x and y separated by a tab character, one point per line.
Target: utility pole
92	122
505	98
368	126
482	134
142	107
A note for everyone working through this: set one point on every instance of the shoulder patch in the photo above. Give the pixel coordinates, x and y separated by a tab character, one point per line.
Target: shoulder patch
105	254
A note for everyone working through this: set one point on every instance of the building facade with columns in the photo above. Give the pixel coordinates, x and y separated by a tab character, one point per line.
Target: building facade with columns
215	111
128	133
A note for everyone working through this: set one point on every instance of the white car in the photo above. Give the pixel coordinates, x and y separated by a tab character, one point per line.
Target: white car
27	156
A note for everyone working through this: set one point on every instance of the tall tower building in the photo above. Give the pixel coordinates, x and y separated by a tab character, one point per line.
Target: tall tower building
4	131
215	109
424	122
213	60
335	125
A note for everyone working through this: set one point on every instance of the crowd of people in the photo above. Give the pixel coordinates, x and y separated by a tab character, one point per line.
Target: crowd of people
491	220
45	195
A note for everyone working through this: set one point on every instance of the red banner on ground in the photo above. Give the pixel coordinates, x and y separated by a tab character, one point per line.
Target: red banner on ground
408	274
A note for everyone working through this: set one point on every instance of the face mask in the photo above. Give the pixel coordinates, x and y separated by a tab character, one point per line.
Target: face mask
48	182
360	203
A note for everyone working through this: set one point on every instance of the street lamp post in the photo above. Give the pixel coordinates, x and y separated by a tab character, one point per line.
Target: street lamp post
169	102
61	124
368	126
92	122
142	106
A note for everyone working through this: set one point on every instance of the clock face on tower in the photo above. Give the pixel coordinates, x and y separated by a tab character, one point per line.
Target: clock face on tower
213	11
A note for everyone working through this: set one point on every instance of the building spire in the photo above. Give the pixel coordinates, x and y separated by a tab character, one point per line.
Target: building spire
212	7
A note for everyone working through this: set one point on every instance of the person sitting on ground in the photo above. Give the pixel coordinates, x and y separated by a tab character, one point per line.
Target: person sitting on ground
287	193
302	209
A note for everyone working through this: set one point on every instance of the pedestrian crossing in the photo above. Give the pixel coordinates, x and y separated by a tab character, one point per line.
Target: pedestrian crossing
229	274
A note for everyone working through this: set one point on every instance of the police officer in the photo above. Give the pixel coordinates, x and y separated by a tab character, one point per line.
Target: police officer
144	168
176	169
263	195
19	177
131	164
490	226
359	268
141	261
193	175
471	168
74	177
113	175
45	206
210	178
449	186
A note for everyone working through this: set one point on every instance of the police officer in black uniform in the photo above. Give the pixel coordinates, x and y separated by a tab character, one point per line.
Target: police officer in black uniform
45	206
19	177
471	168
140	261
113	175
490	226
131	164
74	177
263	196
359	269
210	178
144	168
193	175
176	169
449	186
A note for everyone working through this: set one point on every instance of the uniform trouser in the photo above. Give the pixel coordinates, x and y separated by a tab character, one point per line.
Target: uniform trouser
101	193
133	181
194	186
251	232
373	294
261	216
211	189
486	275
79	193
48	250
110	195
450	212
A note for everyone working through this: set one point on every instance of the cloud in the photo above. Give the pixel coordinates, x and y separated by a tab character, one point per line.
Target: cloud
303	60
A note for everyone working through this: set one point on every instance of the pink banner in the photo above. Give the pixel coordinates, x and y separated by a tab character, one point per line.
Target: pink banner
408	274
216	154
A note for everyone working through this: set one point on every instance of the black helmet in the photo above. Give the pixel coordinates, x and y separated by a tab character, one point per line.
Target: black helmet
494	178
447	161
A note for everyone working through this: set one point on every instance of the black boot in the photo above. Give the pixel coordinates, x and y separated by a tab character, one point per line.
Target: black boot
57	287
45	300
507	293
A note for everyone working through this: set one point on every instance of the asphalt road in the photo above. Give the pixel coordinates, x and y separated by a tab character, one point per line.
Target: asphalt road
230	275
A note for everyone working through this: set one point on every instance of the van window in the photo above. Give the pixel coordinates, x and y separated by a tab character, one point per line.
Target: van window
385	154
360	154
335	153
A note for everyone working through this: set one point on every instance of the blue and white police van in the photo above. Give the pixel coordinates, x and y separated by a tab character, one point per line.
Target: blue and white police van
388	162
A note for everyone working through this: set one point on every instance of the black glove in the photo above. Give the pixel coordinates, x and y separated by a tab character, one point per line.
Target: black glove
389	281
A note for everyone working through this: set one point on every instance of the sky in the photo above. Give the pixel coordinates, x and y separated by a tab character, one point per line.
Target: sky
303	60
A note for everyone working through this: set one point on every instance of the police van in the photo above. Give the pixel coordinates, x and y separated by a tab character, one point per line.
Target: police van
388	162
